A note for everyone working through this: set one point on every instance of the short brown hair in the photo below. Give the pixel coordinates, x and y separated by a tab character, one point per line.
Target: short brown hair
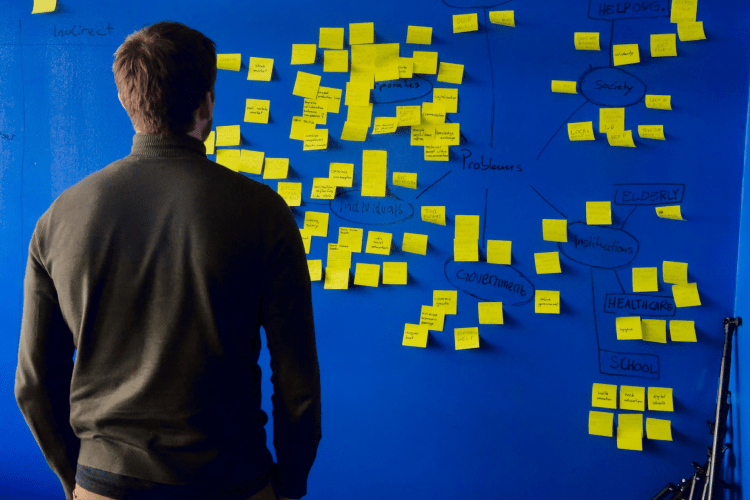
163	72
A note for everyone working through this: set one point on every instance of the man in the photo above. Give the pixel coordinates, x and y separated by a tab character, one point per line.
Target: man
159	271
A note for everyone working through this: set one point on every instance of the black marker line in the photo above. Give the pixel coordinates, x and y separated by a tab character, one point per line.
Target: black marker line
492	76
548	203
611	39
618	280
463	137
484	227
428	187
628	217
561	126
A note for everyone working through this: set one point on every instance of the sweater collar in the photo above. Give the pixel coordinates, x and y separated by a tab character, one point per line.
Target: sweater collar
152	145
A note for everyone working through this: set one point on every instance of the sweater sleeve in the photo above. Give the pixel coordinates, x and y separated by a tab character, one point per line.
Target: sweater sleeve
290	334
44	371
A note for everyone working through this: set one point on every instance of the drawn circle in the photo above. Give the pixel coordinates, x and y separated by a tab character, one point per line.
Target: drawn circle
609	86
601	247
490	282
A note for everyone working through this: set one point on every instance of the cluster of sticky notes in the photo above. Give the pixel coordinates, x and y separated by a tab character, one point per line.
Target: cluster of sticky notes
654	330
612	121
374	172
684	14
645	279
466	238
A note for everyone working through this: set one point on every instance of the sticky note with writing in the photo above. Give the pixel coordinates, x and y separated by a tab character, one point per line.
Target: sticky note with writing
498	252
436	152
651	132
555	230
315	111
421	35
323	188
654	330
433	113
303	53
659	101
547	301
415	243
409	115
645	279
276	168
626	54
463	23
623	139
229	158
357	94
291	192
315	267
405	179
350	238
387	60
315	140
306	235
447	300
415	335
547	262
564	87
611	120
675	272
629	328
405	67
374	172
450	73
385	125
503	17
210	143
251	161
231	62
306	85
435	215
433	318
686	295
378	243
465	250
43	6
301	125
632	398
601	423
659	429
256	110
671	212
331	38
690	31
604	396
317	223
682	331
228	135
598	213
425	63
360	115
338	257
630	432
354	132
683	10
660	399
466	338
490	313
394	273
581	131
335	61
360	33
260	69
467	227
446	97
367	274
447	134
586	40
341	173
664	45
336	279
330	97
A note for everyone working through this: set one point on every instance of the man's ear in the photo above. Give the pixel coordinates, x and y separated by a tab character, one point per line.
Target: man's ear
207	106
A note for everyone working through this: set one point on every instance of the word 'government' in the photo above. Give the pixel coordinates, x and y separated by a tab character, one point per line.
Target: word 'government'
492	280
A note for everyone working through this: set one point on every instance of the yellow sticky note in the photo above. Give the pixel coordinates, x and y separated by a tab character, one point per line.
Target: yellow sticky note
409	115
463	23
336	279
433	318
466	338
405	67
503	17
624	139
210	143
336	61
256	110
604	396
316	269
581	131
367	274
317	223
466	250
467	227
586	40
436	152
350	238
632	398
447	134
342	174
490	313
315	140
357	94
686	295
498	252
291	192
419	34
651	132
276	168
629	328
415	243
659	101
600	423
331	38
303	53
301	125
691	31
360	33
229	158
547	262
435	215
447	300
675	272
450	73
684	10
306	235
564	87
228	135
44	6
555	230
671	212
387	60
338	258
626	54
405	179
374	172
664	45
378	243
660	399
598	213
425	63
611	120
394	273
315	111
547	302
630	432
354	132
659	429
231	62
385	125
323	188
306	85
433	113
330	97
360	115
251	161
446	97
415	335
654	330
682	331
645	279
261	69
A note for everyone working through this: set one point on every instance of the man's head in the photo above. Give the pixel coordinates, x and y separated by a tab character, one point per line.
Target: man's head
165	75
